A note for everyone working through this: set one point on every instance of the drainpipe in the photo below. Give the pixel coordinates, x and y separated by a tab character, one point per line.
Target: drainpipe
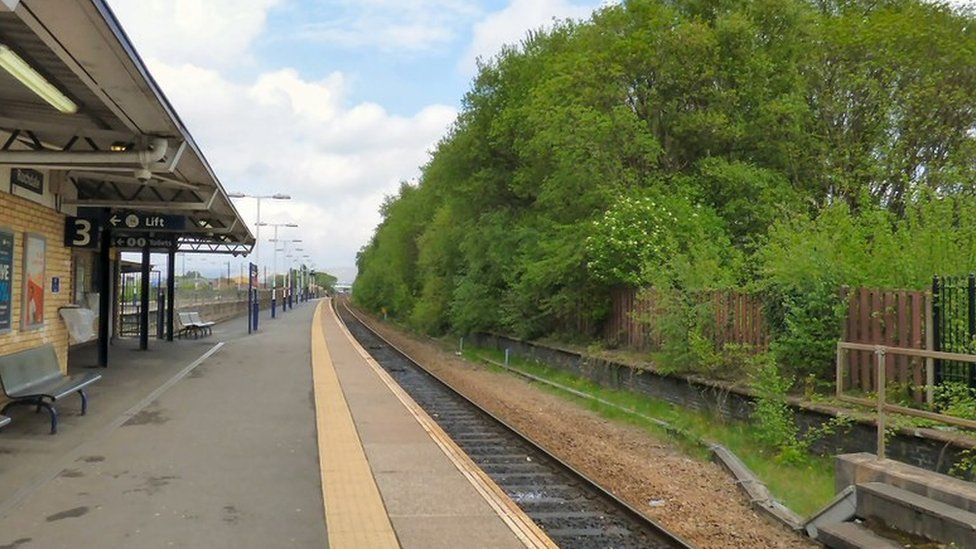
156	152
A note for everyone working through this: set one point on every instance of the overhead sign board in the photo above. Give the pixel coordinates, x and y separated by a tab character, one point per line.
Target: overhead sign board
145	221
135	220
139	242
82	232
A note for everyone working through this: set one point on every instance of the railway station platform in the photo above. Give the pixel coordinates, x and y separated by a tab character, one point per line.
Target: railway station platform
290	437
205	442
390	475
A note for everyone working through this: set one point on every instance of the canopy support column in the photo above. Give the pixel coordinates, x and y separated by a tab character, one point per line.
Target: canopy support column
105	297
170	292
144	302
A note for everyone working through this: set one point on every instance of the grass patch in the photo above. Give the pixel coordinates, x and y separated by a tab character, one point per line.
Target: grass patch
804	487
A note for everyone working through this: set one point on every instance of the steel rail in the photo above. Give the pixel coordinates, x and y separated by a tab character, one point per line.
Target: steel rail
629	510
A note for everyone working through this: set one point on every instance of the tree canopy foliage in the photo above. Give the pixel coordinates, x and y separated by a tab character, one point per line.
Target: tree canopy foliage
783	145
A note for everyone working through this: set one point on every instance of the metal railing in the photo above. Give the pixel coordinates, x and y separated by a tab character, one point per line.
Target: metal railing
880	352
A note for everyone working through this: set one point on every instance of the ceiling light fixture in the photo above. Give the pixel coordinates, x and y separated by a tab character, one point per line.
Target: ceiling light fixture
19	69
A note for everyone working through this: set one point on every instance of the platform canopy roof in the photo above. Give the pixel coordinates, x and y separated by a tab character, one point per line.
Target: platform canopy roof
92	113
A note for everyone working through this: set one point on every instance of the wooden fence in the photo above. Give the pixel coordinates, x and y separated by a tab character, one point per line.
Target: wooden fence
896	318
738	319
631	320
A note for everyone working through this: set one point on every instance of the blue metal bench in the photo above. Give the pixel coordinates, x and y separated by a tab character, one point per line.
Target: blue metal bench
33	377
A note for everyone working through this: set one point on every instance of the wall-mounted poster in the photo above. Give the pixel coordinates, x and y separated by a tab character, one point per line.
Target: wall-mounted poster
6	279
34	285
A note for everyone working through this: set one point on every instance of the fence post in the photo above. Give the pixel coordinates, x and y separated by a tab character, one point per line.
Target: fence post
937	316
971	295
840	370
880	352
930	345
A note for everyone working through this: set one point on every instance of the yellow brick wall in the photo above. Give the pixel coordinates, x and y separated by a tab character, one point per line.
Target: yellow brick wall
19	216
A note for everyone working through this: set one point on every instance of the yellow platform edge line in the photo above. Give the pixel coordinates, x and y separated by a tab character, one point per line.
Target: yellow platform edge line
355	516
524	528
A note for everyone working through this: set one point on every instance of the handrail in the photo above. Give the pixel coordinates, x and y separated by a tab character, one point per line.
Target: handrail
924	353
880	351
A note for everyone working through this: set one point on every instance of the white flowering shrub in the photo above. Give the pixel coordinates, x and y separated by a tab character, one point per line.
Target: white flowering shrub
649	238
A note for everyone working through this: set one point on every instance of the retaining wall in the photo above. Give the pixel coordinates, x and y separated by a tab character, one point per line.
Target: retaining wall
926	448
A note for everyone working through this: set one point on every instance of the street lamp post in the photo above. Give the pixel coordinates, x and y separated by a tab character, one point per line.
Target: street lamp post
258	224
295	263
285	250
305	277
274	273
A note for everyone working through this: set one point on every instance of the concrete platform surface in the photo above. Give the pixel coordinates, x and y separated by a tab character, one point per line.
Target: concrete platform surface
429	498
223	457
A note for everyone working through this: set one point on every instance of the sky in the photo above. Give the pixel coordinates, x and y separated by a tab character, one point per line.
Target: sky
334	102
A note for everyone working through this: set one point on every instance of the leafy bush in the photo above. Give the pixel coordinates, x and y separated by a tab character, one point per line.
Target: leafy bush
955	399
773	415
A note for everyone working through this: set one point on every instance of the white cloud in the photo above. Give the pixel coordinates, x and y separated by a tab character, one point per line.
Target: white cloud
511	24
282	133
214	32
390	26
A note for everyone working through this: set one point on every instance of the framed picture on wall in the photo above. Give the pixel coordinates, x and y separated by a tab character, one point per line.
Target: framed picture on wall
32	311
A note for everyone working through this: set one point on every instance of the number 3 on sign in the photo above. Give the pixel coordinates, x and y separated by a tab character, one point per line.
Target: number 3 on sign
80	232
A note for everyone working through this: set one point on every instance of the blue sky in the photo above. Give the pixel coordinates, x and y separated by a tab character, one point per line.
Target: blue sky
331	101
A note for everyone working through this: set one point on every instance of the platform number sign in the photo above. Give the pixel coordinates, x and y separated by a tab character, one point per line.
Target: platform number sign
82	232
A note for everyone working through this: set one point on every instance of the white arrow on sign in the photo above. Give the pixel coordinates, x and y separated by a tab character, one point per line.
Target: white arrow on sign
114	220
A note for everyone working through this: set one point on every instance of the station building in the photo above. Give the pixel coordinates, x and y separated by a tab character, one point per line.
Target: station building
93	161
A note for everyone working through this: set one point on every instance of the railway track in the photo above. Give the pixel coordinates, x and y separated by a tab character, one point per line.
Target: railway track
572	509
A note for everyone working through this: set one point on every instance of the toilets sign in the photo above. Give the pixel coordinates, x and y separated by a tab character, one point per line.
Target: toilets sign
145	221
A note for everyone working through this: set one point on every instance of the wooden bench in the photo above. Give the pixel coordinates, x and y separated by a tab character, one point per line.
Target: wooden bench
33	377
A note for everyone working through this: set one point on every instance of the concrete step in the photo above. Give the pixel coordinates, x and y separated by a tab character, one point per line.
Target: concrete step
916	514
850	535
860	468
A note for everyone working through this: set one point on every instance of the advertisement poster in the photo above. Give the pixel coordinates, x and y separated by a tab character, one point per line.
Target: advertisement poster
6	279
34	285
